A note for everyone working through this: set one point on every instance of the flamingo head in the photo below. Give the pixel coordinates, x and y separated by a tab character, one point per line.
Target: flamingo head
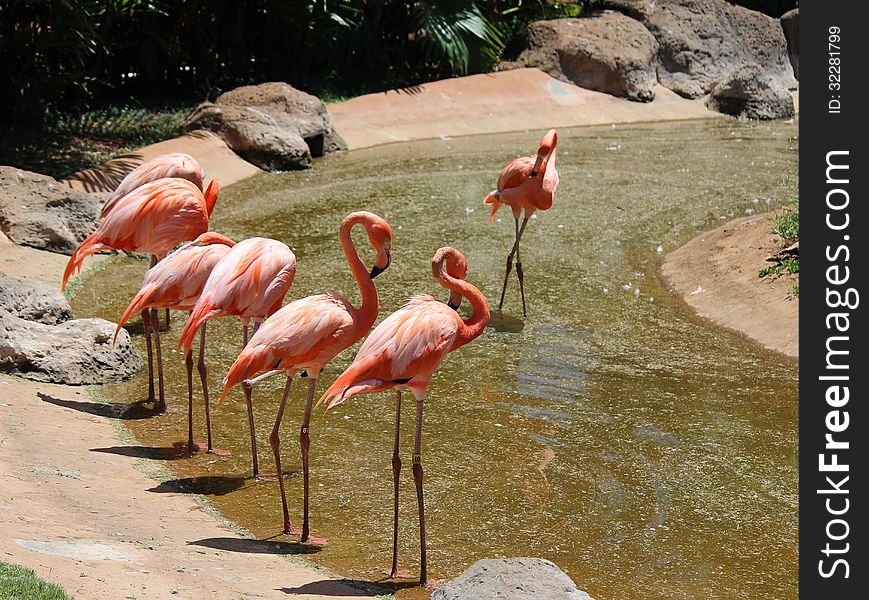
380	236
456	266
212	237
547	148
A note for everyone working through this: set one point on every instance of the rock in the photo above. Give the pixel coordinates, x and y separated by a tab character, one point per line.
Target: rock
790	22
272	125
33	300
604	51
75	352
751	93
701	41
513	579
38	211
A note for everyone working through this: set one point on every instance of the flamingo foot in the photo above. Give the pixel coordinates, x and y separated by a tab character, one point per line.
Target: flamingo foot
401	574
290	530
315	541
430	584
214	451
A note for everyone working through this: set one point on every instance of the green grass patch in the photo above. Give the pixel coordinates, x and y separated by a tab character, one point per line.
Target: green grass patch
21	583
787	265
788	226
70	142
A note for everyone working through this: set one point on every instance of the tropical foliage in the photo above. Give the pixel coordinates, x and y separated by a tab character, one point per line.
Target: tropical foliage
66	53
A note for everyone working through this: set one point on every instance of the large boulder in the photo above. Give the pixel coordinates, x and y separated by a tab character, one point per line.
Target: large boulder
702	41
751	92
790	23
272	125
511	578
604	51
75	352
33	300
38	211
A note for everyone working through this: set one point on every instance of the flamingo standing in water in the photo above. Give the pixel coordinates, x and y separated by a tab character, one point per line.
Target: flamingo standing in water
403	352
175	164
309	333
152	219
528	183
176	282
250	282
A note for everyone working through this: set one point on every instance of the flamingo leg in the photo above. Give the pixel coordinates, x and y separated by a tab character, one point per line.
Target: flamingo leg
168	323
417	478
155	321
519	272
203	373
396	471
146	325
305	443
275	441
203	377
244	336
509	265
188	363
247	386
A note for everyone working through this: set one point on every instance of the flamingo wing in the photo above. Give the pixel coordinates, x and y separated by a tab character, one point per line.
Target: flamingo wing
176	164
307	333
408	345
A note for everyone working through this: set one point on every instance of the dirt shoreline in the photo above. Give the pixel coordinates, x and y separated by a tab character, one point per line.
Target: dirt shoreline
716	274
81	512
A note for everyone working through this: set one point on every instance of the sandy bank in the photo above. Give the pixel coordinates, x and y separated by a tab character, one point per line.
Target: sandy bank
77	508
724	263
495	103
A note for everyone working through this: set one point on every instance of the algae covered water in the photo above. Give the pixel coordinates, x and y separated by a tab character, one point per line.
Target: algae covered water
612	432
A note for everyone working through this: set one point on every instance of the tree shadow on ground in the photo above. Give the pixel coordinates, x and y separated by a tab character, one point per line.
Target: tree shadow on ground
129	412
208	485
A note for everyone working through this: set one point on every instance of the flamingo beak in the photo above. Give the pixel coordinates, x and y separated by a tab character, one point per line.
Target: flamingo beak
375	270
537	164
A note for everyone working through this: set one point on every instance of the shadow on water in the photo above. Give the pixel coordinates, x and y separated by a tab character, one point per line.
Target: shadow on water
506	323
135	410
211	485
348	587
247	546
175	452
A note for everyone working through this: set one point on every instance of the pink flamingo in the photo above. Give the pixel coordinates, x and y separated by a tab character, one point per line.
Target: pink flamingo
309	333
176	164
152	219
176	282
528	183
403	352
250	282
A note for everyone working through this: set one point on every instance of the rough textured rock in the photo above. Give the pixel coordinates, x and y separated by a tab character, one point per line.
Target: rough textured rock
38	211
702	41
513	579
750	92
790	22
272	125
604	51
33	300
75	352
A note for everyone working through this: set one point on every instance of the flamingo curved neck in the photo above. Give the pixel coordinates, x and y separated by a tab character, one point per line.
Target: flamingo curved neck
370	301
474	325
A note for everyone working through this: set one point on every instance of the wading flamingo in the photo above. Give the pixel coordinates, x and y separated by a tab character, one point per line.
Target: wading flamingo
309	333
404	351
176	164
152	219
250	282
176	282
528	183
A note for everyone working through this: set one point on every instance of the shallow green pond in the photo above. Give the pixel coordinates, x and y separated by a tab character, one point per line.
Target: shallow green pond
644	452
